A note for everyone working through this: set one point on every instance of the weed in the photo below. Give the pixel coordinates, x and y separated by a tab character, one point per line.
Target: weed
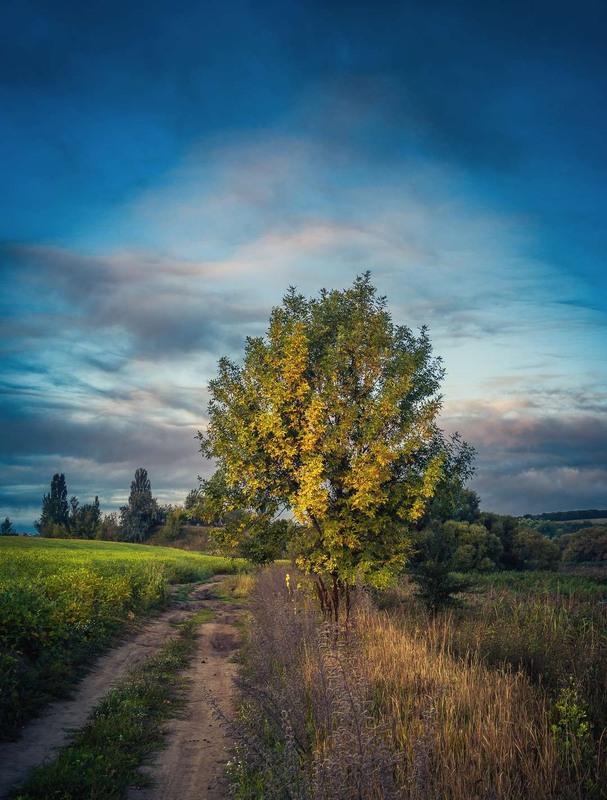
415	705
124	730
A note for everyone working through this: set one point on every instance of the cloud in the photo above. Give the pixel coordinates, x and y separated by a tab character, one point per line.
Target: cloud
98	452
150	307
107	348
531	460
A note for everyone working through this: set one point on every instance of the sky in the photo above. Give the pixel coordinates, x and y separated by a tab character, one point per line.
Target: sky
169	170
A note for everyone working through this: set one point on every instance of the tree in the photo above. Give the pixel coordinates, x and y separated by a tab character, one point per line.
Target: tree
192	501
238	531
108	529
432	567
586	546
85	520
532	550
452	501
333	416
7	528
477	550
504	527
55	507
141	513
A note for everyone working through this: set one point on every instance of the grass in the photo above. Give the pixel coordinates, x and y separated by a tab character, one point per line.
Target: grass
235	588
203	616
124	730
62	601
405	705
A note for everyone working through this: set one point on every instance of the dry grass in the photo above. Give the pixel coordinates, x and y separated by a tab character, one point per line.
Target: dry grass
393	711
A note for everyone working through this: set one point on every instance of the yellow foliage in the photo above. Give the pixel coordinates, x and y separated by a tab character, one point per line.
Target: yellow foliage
332	415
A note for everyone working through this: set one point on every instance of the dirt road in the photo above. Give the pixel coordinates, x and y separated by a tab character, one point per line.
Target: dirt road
212	672
192	766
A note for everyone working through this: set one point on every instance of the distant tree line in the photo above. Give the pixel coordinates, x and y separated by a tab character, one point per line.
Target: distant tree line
589	513
61	518
135	521
453	536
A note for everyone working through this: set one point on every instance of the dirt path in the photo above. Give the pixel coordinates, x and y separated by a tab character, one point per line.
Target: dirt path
192	766
51	730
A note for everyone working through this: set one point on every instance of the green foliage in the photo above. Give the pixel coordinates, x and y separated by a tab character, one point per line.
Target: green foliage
452	501
85	520
55	507
573	733
7	528
534	551
61	601
504	528
108	529
141	513
173	523
588	545
213	500
570	719
478	550
266	541
333	416
433	565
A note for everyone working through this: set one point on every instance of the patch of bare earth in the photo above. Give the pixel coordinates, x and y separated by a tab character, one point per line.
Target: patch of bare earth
192	766
52	729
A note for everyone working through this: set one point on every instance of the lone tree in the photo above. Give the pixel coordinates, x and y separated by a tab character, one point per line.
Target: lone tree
332	415
141	513
55	507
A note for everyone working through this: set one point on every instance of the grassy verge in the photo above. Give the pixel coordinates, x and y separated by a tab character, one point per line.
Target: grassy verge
125	729
235	588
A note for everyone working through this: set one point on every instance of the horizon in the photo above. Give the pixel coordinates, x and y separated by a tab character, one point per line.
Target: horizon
168	174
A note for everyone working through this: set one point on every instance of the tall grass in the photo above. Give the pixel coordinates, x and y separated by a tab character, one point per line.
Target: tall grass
400	708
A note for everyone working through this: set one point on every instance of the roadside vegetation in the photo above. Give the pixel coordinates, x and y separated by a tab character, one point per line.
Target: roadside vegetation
61	601
505	699
124	730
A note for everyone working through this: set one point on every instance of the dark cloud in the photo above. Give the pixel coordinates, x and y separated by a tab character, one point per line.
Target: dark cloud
530	463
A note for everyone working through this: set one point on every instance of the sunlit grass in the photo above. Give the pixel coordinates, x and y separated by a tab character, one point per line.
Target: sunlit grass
403	704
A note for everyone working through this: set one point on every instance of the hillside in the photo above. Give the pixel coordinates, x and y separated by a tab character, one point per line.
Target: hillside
194	538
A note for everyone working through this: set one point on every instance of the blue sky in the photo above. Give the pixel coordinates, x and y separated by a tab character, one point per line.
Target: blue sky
168	172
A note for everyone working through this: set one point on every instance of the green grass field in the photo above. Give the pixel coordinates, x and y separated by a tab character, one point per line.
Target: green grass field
62	600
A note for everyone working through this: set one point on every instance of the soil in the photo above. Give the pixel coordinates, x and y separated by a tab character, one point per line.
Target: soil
192	766
193	763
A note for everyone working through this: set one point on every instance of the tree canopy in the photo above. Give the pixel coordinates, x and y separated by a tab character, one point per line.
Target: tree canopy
333	416
55	507
7	528
141	513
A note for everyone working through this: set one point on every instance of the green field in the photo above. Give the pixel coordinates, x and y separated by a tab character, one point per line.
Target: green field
61	601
